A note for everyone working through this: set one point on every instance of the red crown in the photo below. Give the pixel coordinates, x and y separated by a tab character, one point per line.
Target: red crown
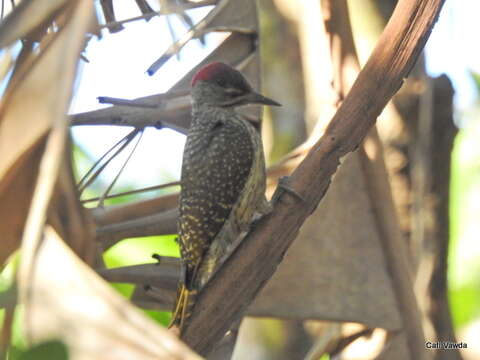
210	71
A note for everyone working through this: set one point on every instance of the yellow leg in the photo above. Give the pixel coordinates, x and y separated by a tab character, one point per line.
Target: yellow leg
180	303
183	307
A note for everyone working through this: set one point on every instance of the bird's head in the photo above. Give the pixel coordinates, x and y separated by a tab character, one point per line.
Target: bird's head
220	85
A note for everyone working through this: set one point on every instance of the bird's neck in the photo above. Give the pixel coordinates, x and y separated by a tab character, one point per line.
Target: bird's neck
208	113
210	108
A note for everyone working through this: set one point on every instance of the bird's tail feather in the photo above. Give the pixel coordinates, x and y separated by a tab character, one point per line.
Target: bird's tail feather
183	307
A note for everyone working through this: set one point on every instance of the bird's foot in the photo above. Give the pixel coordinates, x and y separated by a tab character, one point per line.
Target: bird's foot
183	308
284	185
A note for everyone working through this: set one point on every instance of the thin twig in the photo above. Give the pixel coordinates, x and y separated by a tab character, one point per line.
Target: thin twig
85	182
132	192
142	102
124	102
193	34
187	37
84	178
170	10
102	198
172	34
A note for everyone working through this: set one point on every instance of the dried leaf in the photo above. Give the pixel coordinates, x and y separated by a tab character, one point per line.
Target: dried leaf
6	62
15	201
76	306
26	17
69	218
38	99
33	103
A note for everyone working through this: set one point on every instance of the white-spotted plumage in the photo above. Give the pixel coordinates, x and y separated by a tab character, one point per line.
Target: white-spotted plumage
223	177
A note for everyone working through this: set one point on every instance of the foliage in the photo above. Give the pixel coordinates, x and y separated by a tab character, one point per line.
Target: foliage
48	350
465	220
139	251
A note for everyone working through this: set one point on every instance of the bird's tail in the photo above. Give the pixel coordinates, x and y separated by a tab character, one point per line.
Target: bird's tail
183	307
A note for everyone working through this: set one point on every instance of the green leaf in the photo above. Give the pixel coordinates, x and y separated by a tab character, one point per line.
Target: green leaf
464	304
49	350
8	297
139	251
161	317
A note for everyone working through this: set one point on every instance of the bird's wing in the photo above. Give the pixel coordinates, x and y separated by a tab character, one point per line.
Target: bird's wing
213	178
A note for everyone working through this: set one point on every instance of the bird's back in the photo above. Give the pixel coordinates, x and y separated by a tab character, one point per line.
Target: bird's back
219	155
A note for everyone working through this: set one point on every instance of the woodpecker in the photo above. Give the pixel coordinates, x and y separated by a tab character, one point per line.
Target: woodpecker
223	178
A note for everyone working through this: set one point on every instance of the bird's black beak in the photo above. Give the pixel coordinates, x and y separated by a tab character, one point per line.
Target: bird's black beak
256	98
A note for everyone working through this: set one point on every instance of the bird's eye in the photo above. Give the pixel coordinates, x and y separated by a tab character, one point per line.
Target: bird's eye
221	82
233	91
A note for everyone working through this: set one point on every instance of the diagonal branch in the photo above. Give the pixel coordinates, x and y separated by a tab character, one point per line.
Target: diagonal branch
234	286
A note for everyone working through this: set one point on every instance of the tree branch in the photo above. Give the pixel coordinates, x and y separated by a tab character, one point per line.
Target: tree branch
153	111
234	286
161	223
112	214
163	275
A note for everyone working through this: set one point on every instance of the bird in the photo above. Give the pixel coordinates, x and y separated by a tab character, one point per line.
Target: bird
223	178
